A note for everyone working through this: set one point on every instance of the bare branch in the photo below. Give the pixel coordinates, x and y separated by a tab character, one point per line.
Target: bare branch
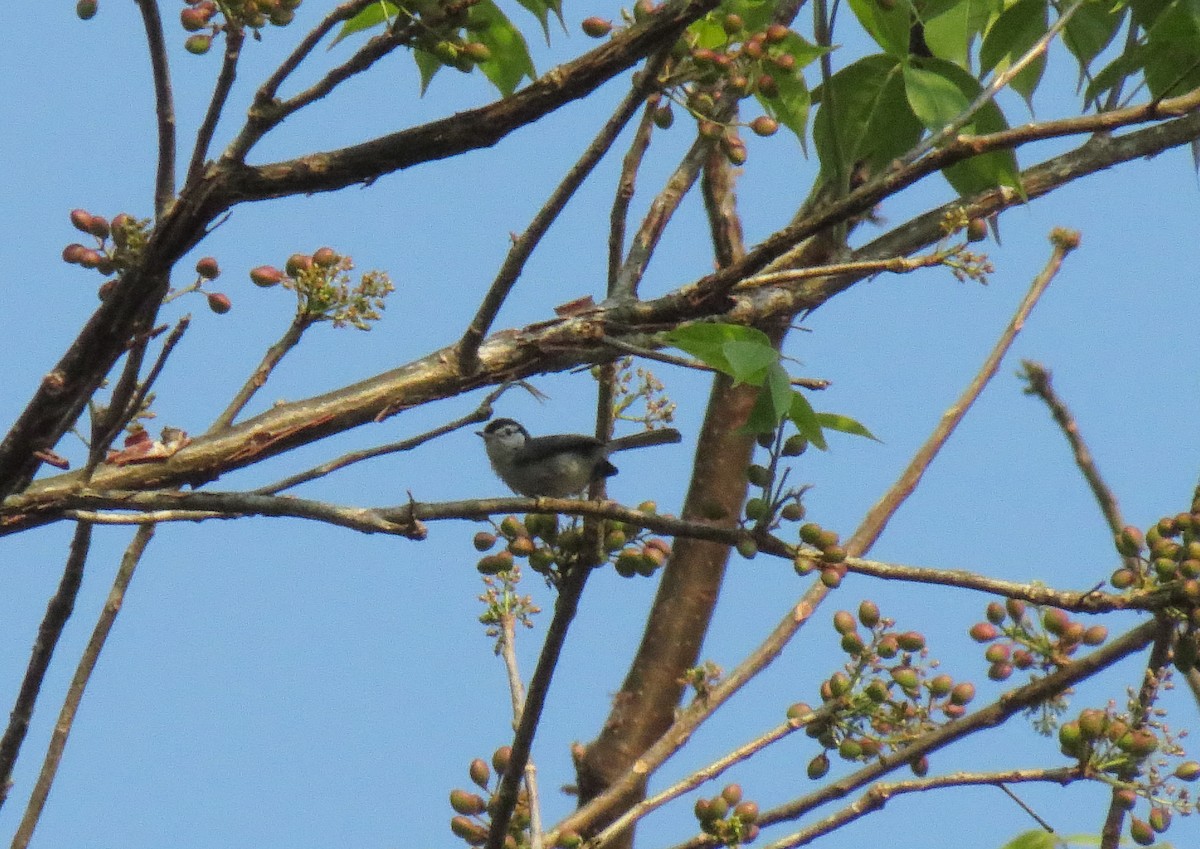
505	798
523	245
879	515
164	106
83	673
661	210
880	794
622	197
58	611
235	36
1038	379
986	96
480	414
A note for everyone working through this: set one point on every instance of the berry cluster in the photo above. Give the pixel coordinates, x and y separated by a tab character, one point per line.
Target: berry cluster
884	697
200	18
831	557
551	550
1128	754
728	817
777	502
470	822
451	32
1168	551
322	283
721	60
1019	641
119	243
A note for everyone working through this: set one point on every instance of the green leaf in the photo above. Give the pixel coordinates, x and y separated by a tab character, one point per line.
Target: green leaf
886	22
428	65
1016	30
709	32
510	61
541	9
749	361
773	403
804	417
790	106
948	32
844	424
988	170
1036	839
1173	50
934	99
865	118
1090	30
371	16
706	342
1114	74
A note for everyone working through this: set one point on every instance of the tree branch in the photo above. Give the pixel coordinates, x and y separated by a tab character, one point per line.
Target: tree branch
523	246
235	36
164	180
58	611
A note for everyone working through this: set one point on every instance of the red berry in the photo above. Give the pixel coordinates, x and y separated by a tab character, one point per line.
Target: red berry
325	257
90	258
266	276
219	303
207	268
73	253
297	263
82	219
98	227
193	19
595	27
764	125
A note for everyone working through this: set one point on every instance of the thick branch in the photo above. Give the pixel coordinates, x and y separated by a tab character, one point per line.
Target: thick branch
556	345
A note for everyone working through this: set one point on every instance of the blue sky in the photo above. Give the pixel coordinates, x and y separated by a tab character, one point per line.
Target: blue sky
281	684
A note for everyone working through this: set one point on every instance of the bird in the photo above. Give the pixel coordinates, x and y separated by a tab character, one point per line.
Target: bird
559	465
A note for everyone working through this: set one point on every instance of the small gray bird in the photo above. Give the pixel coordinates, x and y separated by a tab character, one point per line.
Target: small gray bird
560	465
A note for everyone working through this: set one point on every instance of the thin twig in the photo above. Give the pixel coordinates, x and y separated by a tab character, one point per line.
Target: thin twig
989	93
288	341
268	91
895	265
626	186
505	798
880	794
123	409
83	672
269	112
516	690
661	210
164	105
1038	379
58	611
176	506
524	245
877	518
480	414
235	36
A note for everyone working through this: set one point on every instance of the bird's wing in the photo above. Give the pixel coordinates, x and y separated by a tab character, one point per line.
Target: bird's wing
545	446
